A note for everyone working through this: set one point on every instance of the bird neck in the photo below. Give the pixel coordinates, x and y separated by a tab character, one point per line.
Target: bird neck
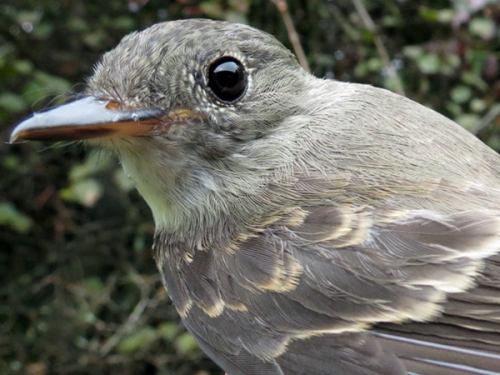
198	202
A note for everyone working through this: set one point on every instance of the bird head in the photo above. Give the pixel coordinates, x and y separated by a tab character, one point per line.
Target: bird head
186	105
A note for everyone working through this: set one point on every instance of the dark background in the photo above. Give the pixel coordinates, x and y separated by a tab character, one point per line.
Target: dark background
79	291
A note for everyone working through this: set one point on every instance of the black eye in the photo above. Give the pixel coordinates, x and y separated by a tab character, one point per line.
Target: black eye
227	79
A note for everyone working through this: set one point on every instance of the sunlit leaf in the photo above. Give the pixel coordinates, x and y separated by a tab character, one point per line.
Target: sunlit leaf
86	192
483	27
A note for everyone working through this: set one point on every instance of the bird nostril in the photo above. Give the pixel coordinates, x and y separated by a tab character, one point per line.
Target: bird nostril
113	105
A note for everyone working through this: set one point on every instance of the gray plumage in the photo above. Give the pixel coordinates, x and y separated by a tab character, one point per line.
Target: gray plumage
310	226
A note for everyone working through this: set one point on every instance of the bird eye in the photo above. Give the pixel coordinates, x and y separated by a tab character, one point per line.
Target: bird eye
227	79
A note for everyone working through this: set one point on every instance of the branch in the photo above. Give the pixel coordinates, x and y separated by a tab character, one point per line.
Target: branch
133	319
370	25
292	33
492	114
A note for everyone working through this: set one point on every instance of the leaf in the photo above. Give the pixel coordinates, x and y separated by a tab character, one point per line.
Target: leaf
93	286
94	163
44	85
428	63
168	331
84	189
23	66
413	52
138	340
95	39
469	121
478	105
12	102
475	80
461	94
186	345
86	192
482	27
10	216
11	162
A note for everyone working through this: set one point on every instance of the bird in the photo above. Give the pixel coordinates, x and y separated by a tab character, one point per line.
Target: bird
303	225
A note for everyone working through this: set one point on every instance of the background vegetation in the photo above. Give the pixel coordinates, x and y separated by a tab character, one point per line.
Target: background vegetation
79	291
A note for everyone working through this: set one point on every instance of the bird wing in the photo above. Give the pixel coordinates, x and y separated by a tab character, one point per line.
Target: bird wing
464	339
344	290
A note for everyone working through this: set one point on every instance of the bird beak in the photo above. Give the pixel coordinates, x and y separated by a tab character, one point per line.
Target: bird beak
90	118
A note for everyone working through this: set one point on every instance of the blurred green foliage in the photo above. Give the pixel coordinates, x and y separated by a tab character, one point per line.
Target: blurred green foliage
79	290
